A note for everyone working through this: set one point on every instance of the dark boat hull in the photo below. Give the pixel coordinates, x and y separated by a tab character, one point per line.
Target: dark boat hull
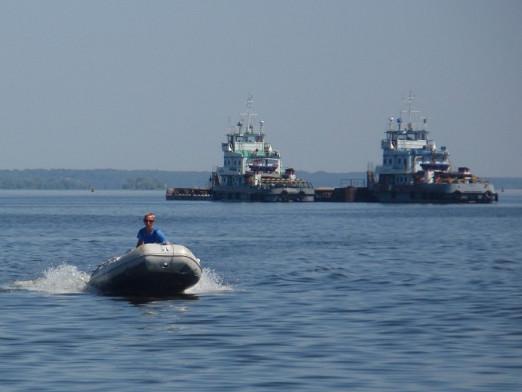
151	270
435	193
263	194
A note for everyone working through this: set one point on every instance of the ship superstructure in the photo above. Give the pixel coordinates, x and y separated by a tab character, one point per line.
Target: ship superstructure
252	169
414	169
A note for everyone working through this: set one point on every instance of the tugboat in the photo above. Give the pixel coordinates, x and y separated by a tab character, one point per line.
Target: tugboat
252	170
414	170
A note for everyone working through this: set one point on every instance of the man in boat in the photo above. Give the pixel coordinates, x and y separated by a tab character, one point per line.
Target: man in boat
148	234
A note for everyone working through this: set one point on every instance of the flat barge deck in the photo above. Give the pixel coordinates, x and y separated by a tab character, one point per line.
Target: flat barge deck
349	194
324	194
188	194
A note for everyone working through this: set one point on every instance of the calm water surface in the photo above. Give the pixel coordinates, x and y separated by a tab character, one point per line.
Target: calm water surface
304	297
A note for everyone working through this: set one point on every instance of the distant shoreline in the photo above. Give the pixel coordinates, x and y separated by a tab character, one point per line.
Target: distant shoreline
112	179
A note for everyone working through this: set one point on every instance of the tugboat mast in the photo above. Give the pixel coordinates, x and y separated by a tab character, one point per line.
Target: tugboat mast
249	115
412	115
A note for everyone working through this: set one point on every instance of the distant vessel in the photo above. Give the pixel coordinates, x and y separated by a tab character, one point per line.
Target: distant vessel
252	170
414	170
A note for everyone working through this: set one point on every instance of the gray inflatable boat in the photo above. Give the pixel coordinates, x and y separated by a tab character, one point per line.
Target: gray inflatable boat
152	270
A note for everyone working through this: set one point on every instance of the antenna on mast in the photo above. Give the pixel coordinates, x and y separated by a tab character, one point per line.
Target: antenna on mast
410	100
250	101
410	115
249	114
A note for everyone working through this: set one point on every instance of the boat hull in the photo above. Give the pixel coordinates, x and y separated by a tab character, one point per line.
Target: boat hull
151	270
188	194
263	194
436	193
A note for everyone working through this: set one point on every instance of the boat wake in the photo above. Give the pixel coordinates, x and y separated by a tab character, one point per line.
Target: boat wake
63	279
68	279
210	282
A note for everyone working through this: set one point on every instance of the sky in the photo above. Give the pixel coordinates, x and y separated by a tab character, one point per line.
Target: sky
155	84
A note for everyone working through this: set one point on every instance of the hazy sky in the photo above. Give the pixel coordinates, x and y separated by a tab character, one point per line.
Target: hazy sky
155	84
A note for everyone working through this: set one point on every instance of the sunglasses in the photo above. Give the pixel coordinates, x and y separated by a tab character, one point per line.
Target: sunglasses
148	220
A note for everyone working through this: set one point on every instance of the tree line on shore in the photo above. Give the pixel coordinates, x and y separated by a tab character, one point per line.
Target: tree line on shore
161	179
97	179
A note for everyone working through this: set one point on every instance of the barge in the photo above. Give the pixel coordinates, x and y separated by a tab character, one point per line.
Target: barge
188	194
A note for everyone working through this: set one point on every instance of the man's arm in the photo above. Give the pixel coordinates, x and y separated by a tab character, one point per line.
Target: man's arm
160	237
140	239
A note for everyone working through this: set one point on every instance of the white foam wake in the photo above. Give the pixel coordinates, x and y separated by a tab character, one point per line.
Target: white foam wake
210	282
68	279
63	279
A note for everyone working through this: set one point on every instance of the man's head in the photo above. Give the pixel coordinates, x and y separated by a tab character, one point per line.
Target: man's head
149	219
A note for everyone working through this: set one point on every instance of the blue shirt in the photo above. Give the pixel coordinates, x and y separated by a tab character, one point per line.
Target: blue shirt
156	237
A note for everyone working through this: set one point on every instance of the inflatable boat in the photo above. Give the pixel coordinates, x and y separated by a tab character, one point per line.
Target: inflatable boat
152	270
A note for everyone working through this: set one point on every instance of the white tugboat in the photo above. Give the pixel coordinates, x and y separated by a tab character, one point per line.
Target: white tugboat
414	170
252	170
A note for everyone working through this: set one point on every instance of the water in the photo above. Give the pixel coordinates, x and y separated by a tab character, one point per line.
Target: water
304	297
